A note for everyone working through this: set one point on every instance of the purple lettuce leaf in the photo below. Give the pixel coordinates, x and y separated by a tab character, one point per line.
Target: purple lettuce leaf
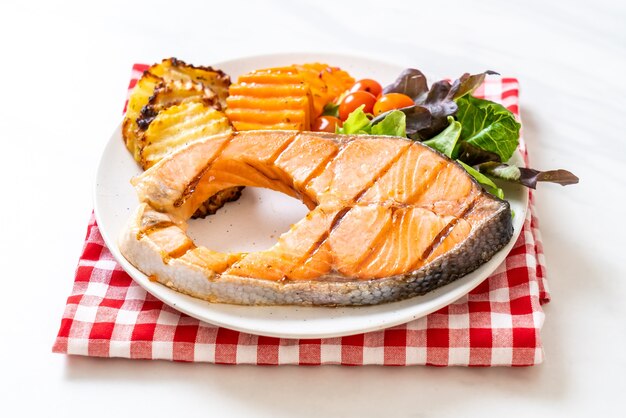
429	116
526	176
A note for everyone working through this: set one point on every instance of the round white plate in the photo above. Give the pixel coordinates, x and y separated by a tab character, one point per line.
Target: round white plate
254	223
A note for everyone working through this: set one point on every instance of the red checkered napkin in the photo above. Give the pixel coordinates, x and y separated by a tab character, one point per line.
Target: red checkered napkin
496	324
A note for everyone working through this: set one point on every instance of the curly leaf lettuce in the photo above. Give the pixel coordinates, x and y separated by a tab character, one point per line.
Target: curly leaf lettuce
357	123
428	117
479	134
393	124
485	181
472	155
488	126
445	141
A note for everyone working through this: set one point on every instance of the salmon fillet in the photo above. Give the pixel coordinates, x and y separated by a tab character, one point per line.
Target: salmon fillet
389	219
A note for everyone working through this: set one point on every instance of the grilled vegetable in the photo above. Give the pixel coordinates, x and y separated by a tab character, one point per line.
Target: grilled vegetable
184	101
172	69
274	98
219	199
284	97
177	126
336	79
165	84
138	99
172	93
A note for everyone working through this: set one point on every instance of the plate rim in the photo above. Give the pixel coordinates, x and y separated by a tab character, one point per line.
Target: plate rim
161	292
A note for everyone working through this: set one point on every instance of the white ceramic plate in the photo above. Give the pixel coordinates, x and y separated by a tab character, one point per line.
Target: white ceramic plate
254	223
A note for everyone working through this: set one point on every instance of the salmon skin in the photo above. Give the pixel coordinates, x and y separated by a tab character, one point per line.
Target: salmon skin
389	219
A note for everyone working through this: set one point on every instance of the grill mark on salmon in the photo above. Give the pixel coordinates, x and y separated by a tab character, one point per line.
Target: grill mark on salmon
406	179
293	192
317	245
180	251
354	169
341	214
381	245
389	219
297	160
272	161
211	260
321	168
385	170
446	231
372	244
283	147
323	239
437	240
433	175
381	173
336	156
190	188
154	227
172	240
410	234
318	172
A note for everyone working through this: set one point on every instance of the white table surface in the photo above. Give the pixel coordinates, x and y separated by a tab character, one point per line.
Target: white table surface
64	70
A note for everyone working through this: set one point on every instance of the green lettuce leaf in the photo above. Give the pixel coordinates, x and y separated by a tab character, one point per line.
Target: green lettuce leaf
331	109
472	155
394	124
445	141
488	126
526	176
428	117
483	180
357	123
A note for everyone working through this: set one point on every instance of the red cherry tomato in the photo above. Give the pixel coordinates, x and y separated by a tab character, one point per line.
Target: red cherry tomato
326	124
368	85
354	100
392	101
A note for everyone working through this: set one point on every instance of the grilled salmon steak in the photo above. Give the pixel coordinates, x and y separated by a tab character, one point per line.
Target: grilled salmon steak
389	219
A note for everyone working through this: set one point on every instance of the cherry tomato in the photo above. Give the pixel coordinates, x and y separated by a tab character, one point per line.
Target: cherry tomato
326	124
368	85
392	101
354	100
